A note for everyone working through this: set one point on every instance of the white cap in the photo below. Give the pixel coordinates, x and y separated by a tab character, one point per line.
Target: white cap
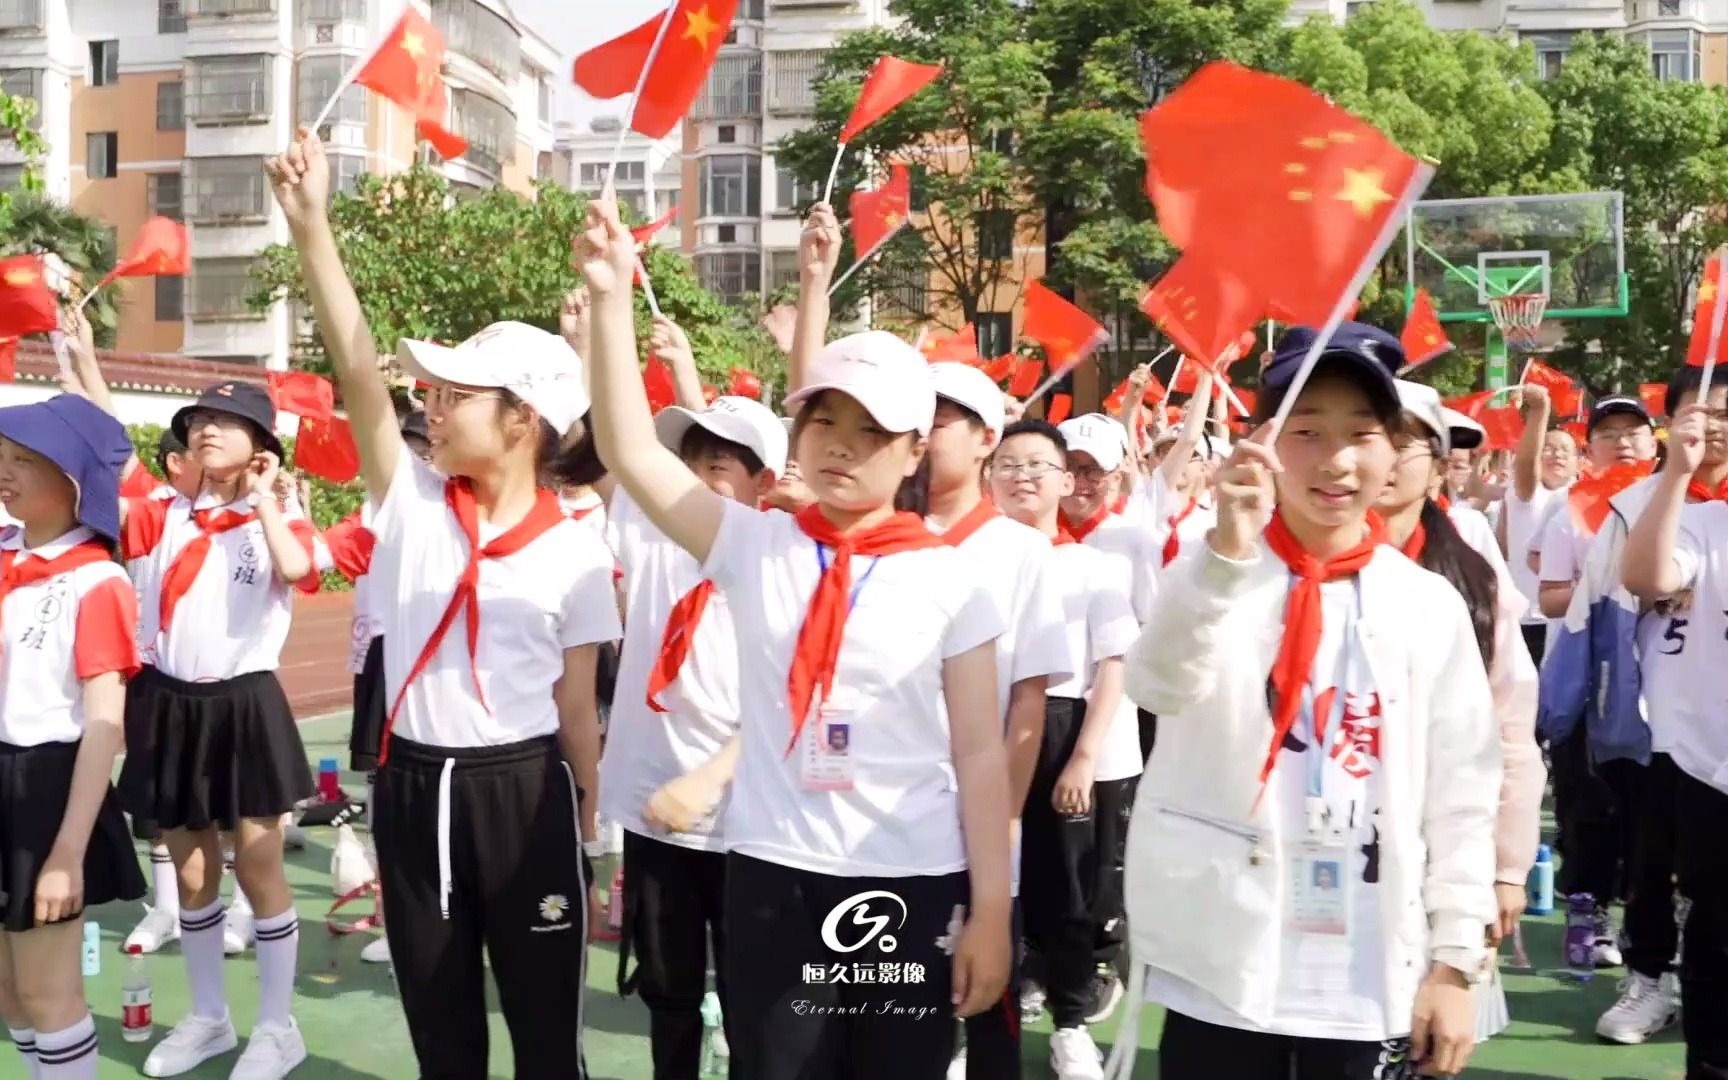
735	419
1103	439
971	389
539	367
1423	402
888	377
1466	433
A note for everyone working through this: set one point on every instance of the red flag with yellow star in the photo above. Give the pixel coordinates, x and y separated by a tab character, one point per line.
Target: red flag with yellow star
408	68
27	304
1698	348
1423	337
675	73
878	215
1654	395
1203	311
891	81
961	347
1066	333
1309	197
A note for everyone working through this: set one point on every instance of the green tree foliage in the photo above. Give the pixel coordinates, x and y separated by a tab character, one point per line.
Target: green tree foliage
16	114
428	263
38	225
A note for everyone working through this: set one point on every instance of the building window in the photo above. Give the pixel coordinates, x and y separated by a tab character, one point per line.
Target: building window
25	83
104	63
480	34
333	10
726	234
543	98
995	333
220	289
1002	141
906	291
345	170
782	270
170	299
102	155
170	17
21	15
995	234
593	173
319	77
730	274
791	194
733	89
792	88
165	195
230	7
170	106
635	201
919	201
1668	9
489	127
1676	55
726	134
731	186
228	88
225	190
749	9
1551	49
11	177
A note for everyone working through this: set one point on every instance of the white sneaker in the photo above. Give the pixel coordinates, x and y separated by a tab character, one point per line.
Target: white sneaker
1644	1009
272	1052
1103	994
155	930
236	931
376	952
1074	1056
1032	998
293	837
1606	953
957	1067
194	1040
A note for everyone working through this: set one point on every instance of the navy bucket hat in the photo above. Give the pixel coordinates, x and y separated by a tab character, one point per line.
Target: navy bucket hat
1371	351
83	442
246	400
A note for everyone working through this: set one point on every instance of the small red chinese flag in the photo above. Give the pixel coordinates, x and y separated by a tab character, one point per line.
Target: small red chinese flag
1187	379
1423	337
27	304
325	447
1000	368
687	51
159	250
1060	406
1204	311
1248	400
877	215
744	383
1654	395
1470	405
1578	429
1118	396
1027	369
960	347
1305	180
644	233
8	359
890	82
1503	427
1066	333
408	68
657	384
1590	494
1155	392
1562	391
1698	348
308	396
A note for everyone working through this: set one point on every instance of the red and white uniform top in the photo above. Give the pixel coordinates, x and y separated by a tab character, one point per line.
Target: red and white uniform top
55	632
346	547
233	617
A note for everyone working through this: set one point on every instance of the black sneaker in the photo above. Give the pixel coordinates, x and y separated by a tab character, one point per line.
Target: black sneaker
1104	995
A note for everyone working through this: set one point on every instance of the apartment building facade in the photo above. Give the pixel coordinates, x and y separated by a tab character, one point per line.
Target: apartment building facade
650	176
170	107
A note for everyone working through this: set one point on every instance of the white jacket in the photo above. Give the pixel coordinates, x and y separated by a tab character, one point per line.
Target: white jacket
1205	879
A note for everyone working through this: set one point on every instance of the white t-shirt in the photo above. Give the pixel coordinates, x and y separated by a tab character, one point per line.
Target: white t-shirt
554	594
235	617
1352	968
911	611
1698	736
56	633
1564	548
1166	506
1133	537
1100	625
587	509
1523	520
646	749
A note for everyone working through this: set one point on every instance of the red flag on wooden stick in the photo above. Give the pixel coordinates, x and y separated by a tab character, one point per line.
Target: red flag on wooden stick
657	384
891	81
159	250
960	346
1591	492
1423	337
1058	409
687	49
1654	395
999	368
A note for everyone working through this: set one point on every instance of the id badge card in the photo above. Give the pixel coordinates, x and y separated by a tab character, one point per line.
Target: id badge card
1318	899
826	756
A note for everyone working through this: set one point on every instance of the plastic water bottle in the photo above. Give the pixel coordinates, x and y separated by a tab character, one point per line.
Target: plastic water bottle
92	949
329	780
136	1022
1542	883
715	1052
1580	939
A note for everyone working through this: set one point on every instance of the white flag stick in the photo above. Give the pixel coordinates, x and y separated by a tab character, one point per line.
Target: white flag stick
833	171
1057	374
348	80
648	288
1271	327
91	295
1716	314
1176	374
866	257
1394	221
63	355
635	97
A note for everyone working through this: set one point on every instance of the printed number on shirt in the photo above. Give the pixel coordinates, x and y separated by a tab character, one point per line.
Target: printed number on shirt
1676	633
246	570
46	612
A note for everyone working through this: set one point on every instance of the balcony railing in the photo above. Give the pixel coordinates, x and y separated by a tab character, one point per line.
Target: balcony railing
332	10
230	192
244	103
22	15
792	82
224	8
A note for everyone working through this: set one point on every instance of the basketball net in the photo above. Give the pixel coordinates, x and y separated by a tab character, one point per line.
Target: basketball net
1518	317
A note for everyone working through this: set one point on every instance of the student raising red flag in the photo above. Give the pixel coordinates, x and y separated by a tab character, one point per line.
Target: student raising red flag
1304	178
1066	333
1704	315
878	214
1423	337
1201	309
675	73
27	304
408	68
891	81
1562	391
159	250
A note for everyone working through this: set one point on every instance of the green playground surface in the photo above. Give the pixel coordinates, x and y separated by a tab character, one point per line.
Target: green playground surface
354	1028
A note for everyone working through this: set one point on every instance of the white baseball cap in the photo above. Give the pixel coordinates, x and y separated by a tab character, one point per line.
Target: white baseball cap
1423	402
888	377
1466	433
735	419
539	367
1098	436
970	389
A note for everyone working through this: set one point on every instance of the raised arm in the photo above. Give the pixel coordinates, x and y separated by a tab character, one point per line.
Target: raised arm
573	325
818	253
672	345
1647	567
1129	414
1200	407
1527	462
301	179
678	504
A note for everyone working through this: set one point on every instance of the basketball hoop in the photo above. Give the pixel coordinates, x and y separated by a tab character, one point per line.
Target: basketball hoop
1518	316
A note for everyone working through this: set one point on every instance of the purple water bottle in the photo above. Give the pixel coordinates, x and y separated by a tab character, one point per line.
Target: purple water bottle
1581	936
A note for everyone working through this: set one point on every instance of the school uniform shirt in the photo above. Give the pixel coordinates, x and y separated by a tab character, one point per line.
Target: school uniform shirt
1100	624
1192	524
54	634
346	548
1523	521
554	594
235	616
1698	738
1131	536
645	749
586	509
910	612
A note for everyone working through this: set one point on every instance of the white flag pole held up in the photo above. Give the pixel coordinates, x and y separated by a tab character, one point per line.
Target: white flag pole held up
636	96
1716	315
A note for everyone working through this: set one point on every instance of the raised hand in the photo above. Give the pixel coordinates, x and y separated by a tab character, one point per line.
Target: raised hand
1686	438
605	251
573	319
670	343
300	177
261	474
1138	380
819	246
1245	494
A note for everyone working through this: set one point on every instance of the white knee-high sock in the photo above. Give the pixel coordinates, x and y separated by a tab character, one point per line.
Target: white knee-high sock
69	1054
25	1040
278	952
201	945
163	881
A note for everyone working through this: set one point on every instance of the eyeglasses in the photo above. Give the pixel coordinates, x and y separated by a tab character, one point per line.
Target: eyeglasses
1092	474
448	397
1031	470
1617	435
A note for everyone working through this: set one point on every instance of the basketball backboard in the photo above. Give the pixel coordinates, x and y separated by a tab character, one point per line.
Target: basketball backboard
1570	248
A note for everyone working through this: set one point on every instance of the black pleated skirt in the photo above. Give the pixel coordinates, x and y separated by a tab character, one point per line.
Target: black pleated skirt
206	754
35	782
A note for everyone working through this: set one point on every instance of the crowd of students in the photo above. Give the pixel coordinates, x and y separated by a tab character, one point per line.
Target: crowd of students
919	718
